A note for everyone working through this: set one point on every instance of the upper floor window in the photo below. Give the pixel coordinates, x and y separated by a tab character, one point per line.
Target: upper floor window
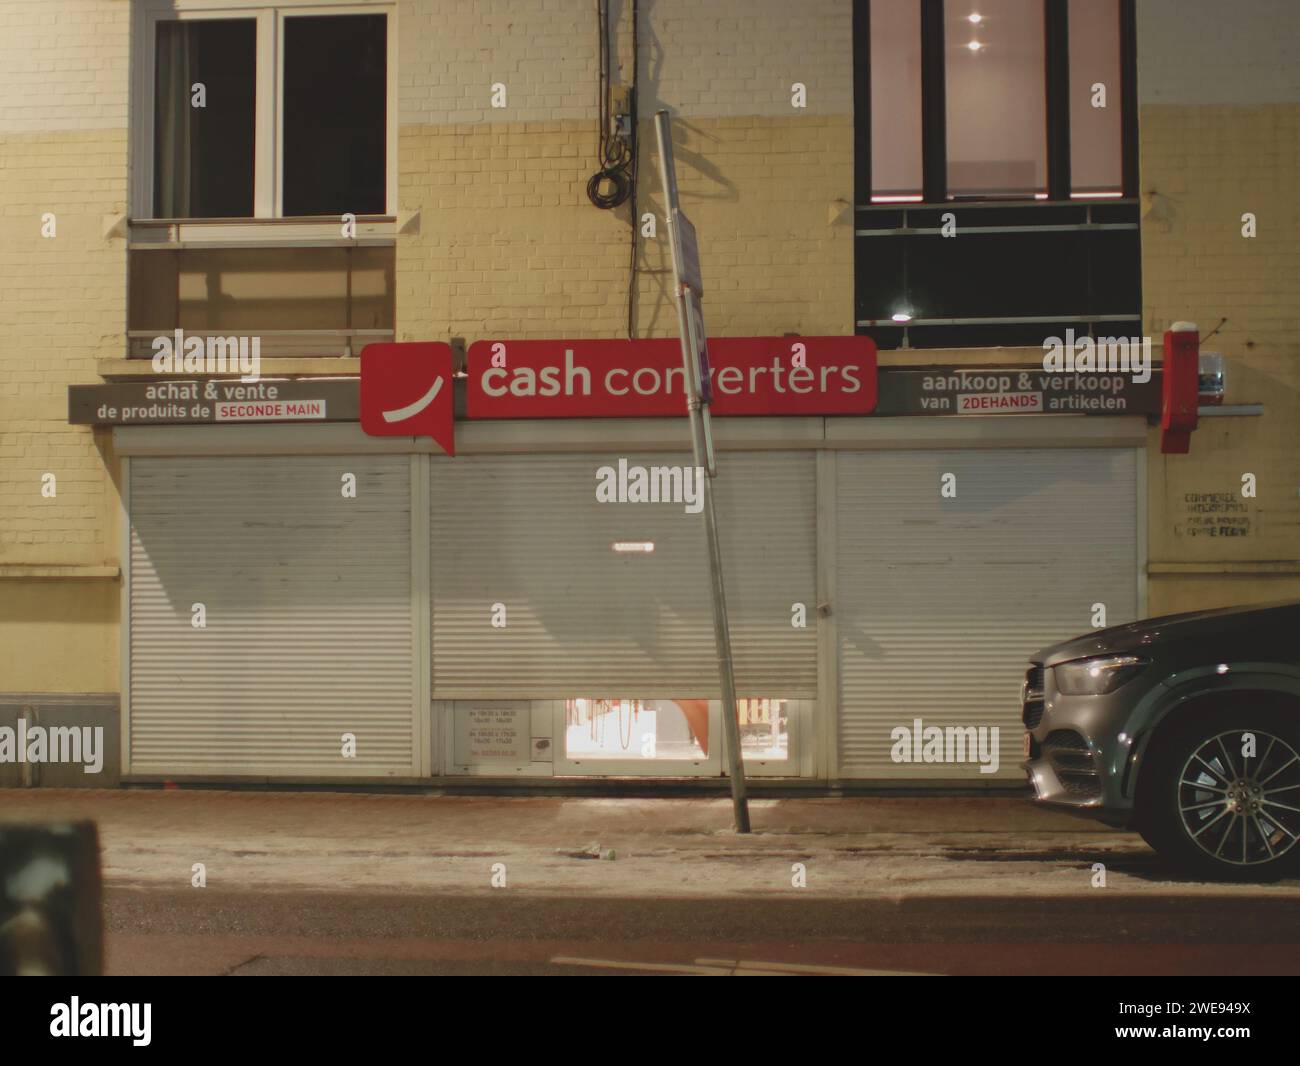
1010	125
275	112
983	99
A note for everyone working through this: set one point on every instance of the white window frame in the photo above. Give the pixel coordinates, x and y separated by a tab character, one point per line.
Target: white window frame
268	170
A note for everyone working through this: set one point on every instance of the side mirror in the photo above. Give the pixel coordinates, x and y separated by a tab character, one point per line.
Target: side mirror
50	891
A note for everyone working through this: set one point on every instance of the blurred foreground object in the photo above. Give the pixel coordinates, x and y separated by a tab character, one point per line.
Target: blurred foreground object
50	922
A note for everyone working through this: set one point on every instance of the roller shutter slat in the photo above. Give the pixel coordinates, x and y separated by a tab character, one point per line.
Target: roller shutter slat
527	531
942	601
309	631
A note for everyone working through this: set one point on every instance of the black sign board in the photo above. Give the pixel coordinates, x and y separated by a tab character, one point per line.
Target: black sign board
1014	391
933	391
218	401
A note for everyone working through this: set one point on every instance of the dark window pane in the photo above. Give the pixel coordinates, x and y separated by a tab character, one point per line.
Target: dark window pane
1115	258
335	115
983	275
203	156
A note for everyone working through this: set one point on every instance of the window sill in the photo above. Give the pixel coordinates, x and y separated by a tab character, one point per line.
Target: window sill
59	572
332	366
996	203
172	234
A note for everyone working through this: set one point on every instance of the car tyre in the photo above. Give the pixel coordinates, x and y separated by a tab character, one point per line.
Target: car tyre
1213	811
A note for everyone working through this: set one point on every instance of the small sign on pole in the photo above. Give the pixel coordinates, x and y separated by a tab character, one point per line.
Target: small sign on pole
699	346
686	252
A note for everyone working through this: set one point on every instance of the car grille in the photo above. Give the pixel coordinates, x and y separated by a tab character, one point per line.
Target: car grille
1032	696
1073	762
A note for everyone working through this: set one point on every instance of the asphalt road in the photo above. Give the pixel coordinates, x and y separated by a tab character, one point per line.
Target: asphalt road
214	931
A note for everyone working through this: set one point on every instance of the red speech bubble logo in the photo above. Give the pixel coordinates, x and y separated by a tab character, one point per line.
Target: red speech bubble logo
406	391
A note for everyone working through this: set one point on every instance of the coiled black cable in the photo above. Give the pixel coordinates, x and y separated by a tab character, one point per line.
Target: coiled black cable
621	187
611	185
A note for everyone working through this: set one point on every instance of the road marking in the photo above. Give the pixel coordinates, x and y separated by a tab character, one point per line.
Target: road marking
733	968
682	968
800	967
412	409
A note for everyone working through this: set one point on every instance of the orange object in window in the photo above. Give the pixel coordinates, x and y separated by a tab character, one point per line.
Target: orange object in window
697	717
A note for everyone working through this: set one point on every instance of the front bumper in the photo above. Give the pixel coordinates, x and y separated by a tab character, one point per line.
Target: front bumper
1079	753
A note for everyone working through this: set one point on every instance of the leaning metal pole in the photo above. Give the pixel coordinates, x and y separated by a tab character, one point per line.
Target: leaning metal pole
702	443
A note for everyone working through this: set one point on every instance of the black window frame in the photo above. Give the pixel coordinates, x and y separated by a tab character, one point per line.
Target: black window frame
1085	225
934	116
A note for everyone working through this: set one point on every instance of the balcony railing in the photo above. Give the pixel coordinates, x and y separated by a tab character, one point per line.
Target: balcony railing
298	285
997	273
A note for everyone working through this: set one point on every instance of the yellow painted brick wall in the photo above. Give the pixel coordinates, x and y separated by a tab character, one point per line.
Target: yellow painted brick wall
63	151
1203	168
63	307
59	635
509	245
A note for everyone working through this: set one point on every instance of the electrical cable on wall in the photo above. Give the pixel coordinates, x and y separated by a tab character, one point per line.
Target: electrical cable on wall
611	185
635	217
615	182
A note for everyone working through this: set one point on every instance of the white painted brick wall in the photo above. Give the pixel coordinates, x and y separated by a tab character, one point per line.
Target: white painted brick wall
1218	51
63	65
720	59
730	59
451	52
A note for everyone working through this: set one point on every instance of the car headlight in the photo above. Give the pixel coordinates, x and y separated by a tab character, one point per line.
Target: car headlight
1096	677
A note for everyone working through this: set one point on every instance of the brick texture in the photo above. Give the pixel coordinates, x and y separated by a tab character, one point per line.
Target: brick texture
1203	168
63	152
509	245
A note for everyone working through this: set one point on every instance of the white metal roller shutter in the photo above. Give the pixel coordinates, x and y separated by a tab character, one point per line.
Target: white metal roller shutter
526	531
309	616
940	602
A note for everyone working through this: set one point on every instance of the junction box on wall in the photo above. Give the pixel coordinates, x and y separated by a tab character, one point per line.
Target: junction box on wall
1181	384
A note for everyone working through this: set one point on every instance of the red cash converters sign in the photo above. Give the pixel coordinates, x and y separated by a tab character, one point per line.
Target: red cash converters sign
406	391
645	379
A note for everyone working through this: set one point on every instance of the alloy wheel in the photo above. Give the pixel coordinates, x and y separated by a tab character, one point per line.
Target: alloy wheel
1241	809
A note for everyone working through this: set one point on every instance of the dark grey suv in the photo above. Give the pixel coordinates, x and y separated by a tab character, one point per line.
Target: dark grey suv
1185	728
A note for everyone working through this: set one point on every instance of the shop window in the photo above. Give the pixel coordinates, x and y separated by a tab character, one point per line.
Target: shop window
669	730
764	728
996	171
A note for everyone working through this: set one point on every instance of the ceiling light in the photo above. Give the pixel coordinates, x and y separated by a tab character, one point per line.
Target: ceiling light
645	546
974	46
976	19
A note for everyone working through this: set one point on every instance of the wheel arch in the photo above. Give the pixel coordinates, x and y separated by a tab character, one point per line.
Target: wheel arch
1206	690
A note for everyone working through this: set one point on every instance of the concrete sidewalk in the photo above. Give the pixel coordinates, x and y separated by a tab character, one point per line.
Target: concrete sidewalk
890	847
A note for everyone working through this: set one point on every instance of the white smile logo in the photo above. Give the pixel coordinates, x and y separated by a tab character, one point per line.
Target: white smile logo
413	409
